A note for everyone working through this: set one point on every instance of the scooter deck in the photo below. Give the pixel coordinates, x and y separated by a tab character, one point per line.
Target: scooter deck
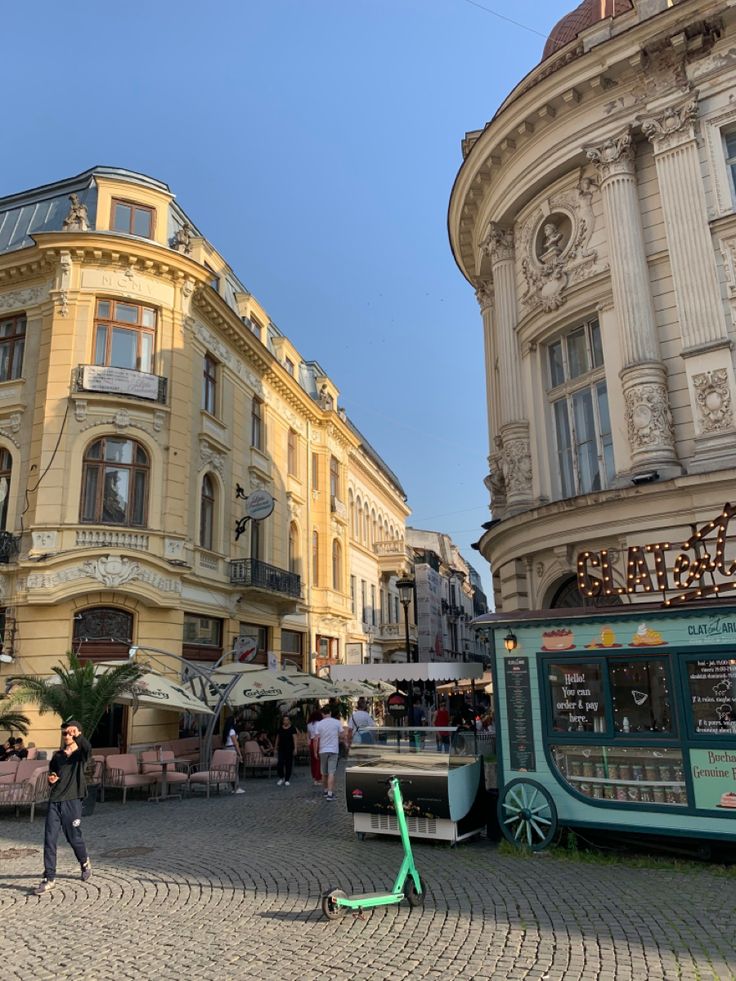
362	897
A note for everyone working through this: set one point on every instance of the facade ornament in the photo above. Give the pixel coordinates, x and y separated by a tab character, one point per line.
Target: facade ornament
484	295
713	398
158	421
295	509
648	419
122	419
256	482
22	299
498	243
614	156
551	248
64	282
517	467
13	423
210	458
673	127
182	241
77	219
112	570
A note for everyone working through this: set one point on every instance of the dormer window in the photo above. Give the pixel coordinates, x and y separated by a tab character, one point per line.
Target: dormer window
289	365
132	219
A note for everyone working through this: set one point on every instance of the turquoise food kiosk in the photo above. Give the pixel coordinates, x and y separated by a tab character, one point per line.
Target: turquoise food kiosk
618	718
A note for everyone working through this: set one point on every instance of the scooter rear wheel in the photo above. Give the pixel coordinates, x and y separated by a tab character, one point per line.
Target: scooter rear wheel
330	907
411	895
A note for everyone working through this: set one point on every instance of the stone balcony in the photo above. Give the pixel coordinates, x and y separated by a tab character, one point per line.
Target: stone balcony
394	558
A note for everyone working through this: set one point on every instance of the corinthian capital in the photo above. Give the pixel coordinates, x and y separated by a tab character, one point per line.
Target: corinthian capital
615	156
484	295
498	243
673	127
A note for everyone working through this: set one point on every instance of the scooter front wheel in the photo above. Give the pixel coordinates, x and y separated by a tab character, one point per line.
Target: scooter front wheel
330	906
412	896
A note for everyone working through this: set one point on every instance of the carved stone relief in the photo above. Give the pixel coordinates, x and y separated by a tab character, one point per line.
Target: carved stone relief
484	296
22	299
648	419
673	127
64	281
44	541
210	458
517	467
498	243
77	218
614	156
122	419
554	246
112	570
713	398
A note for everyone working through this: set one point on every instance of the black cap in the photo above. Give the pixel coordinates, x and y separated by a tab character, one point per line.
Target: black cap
71	722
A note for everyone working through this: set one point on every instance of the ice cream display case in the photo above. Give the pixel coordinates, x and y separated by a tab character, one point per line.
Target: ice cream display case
620	719
444	794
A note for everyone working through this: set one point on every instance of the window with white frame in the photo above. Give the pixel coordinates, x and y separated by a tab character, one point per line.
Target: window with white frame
729	140
578	401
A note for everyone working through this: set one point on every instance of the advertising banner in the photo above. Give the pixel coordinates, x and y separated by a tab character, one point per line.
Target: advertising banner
714	779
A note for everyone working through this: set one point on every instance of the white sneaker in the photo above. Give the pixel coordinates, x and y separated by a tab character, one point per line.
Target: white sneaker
240	791
287	783
279	782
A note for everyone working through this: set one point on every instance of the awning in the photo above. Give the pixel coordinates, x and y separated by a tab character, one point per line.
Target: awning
425	671
485	683
262	685
154	689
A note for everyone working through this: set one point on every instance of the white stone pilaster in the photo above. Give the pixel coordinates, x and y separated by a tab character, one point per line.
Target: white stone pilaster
643	376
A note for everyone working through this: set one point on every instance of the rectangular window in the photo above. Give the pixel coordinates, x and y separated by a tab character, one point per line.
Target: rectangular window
209	385
712	691
315	471
214	279
579	405
334	477
364	600
577	698
373	605
256	327
640	694
256	424
132	219
12	343
292	455
352	594
289	365
202	637
292	643
125	335
730	139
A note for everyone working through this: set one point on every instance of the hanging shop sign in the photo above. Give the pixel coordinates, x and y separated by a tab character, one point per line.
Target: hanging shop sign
396	705
705	553
259	504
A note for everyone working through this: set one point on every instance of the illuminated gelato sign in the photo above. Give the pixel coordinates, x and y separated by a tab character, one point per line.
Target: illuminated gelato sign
705	553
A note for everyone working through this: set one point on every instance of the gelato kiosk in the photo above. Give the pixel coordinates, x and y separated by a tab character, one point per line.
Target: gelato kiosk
444	793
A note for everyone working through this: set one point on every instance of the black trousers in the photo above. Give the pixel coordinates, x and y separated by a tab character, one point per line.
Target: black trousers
66	816
284	766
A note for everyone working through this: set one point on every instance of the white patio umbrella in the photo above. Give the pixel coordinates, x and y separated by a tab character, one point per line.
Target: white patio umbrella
262	685
154	689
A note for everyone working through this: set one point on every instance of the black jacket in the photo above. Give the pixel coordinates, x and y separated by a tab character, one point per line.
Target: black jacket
71	784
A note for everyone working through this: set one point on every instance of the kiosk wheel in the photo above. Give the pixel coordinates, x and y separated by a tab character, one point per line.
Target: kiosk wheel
411	895
330	907
527	814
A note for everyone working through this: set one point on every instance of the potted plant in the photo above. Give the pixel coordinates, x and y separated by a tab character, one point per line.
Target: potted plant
76	690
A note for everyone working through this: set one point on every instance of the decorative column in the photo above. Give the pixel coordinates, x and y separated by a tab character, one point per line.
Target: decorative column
705	342
643	376
498	245
494	481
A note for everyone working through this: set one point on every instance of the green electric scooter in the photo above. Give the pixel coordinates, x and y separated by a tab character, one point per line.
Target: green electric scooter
408	884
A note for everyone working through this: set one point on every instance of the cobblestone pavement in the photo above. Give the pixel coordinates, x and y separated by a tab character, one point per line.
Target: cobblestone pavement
230	888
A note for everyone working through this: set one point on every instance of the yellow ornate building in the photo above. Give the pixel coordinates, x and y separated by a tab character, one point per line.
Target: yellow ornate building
145	395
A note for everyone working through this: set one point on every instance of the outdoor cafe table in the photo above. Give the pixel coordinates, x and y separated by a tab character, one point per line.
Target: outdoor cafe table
165	795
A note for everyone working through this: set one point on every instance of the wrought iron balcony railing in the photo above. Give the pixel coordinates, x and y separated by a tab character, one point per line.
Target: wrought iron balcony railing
253	572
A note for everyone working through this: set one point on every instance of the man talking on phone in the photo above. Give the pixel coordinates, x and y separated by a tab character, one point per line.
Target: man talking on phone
68	788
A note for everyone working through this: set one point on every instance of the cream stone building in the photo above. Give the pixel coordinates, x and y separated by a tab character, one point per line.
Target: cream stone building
146	401
595	216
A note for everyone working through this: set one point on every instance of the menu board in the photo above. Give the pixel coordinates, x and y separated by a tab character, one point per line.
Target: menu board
576	690
519	709
712	685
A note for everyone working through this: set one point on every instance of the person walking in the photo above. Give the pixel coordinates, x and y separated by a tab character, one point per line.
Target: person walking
285	751
328	739
312	721
361	724
442	718
68	788
230	741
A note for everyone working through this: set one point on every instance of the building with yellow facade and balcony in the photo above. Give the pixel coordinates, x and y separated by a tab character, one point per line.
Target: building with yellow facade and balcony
145	394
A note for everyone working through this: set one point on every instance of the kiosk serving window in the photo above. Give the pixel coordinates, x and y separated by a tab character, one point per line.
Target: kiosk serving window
640	696
576	691
712	696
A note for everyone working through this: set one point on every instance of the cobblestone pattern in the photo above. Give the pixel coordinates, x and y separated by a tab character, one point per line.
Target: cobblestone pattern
230	888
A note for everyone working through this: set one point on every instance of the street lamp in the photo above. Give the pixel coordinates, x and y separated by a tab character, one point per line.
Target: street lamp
405	587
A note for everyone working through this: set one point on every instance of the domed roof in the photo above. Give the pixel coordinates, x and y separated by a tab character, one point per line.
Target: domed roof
588	13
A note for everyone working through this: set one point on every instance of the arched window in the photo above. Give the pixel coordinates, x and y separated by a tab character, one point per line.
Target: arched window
207	513
115	482
293	548
366	526
351	512
315	558
6	467
358	519
336	565
102	632
374	528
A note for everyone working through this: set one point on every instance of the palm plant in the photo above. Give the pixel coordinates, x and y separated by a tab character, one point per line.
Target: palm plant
77	691
11	718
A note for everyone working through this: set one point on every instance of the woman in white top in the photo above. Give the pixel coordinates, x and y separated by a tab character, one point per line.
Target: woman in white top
361	724
230	741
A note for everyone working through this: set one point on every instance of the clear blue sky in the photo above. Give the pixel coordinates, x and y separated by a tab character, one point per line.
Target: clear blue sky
315	143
